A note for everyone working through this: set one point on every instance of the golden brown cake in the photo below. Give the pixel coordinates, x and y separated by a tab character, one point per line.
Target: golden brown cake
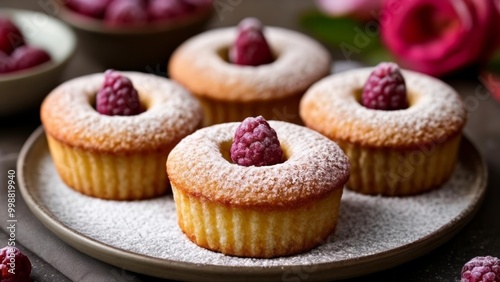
394	153
230	92
117	157
252	211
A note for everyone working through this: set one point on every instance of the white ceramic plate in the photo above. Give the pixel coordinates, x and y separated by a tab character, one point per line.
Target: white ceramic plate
373	233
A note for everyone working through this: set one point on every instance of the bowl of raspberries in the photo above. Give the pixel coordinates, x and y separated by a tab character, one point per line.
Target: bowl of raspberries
34	49
134	34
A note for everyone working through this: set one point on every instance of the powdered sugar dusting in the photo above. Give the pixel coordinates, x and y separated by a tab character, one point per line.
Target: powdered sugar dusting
172	113
315	167
436	111
300	61
367	224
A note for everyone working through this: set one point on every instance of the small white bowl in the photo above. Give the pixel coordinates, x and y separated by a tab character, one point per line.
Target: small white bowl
24	89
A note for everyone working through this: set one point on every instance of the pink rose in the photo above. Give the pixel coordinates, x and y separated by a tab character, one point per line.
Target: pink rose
497	4
360	9
439	36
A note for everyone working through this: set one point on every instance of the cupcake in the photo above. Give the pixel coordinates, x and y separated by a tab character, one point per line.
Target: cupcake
400	129
109	134
249	71
257	189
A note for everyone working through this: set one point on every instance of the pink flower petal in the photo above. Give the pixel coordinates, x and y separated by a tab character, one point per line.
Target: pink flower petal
362	9
437	37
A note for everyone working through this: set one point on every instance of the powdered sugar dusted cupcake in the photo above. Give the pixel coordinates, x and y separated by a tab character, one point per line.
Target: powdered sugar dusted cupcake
273	189
117	148
400	129
249	71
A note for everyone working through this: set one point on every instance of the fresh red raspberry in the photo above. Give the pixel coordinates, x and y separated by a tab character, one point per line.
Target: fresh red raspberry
26	57
385	89
481	269
161	10
89	8
10	36
125	13
256	143
250	47
117	96
12	258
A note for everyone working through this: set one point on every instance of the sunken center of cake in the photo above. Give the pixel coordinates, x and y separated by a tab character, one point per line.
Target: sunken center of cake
223	54
412	96
144	101
225	150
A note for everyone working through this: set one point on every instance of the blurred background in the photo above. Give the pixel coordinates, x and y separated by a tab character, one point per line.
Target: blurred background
445	39
456	41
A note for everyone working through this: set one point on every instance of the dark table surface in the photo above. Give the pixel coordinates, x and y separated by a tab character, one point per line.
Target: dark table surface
479	237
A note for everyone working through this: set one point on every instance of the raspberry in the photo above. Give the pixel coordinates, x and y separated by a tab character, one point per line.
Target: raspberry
26	57
385	89
481	269
125	13
89	8
160	10
117	96
250	47
256	143
12	258
10	36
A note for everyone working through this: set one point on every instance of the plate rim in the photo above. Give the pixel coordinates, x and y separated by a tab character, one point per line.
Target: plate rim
167	268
